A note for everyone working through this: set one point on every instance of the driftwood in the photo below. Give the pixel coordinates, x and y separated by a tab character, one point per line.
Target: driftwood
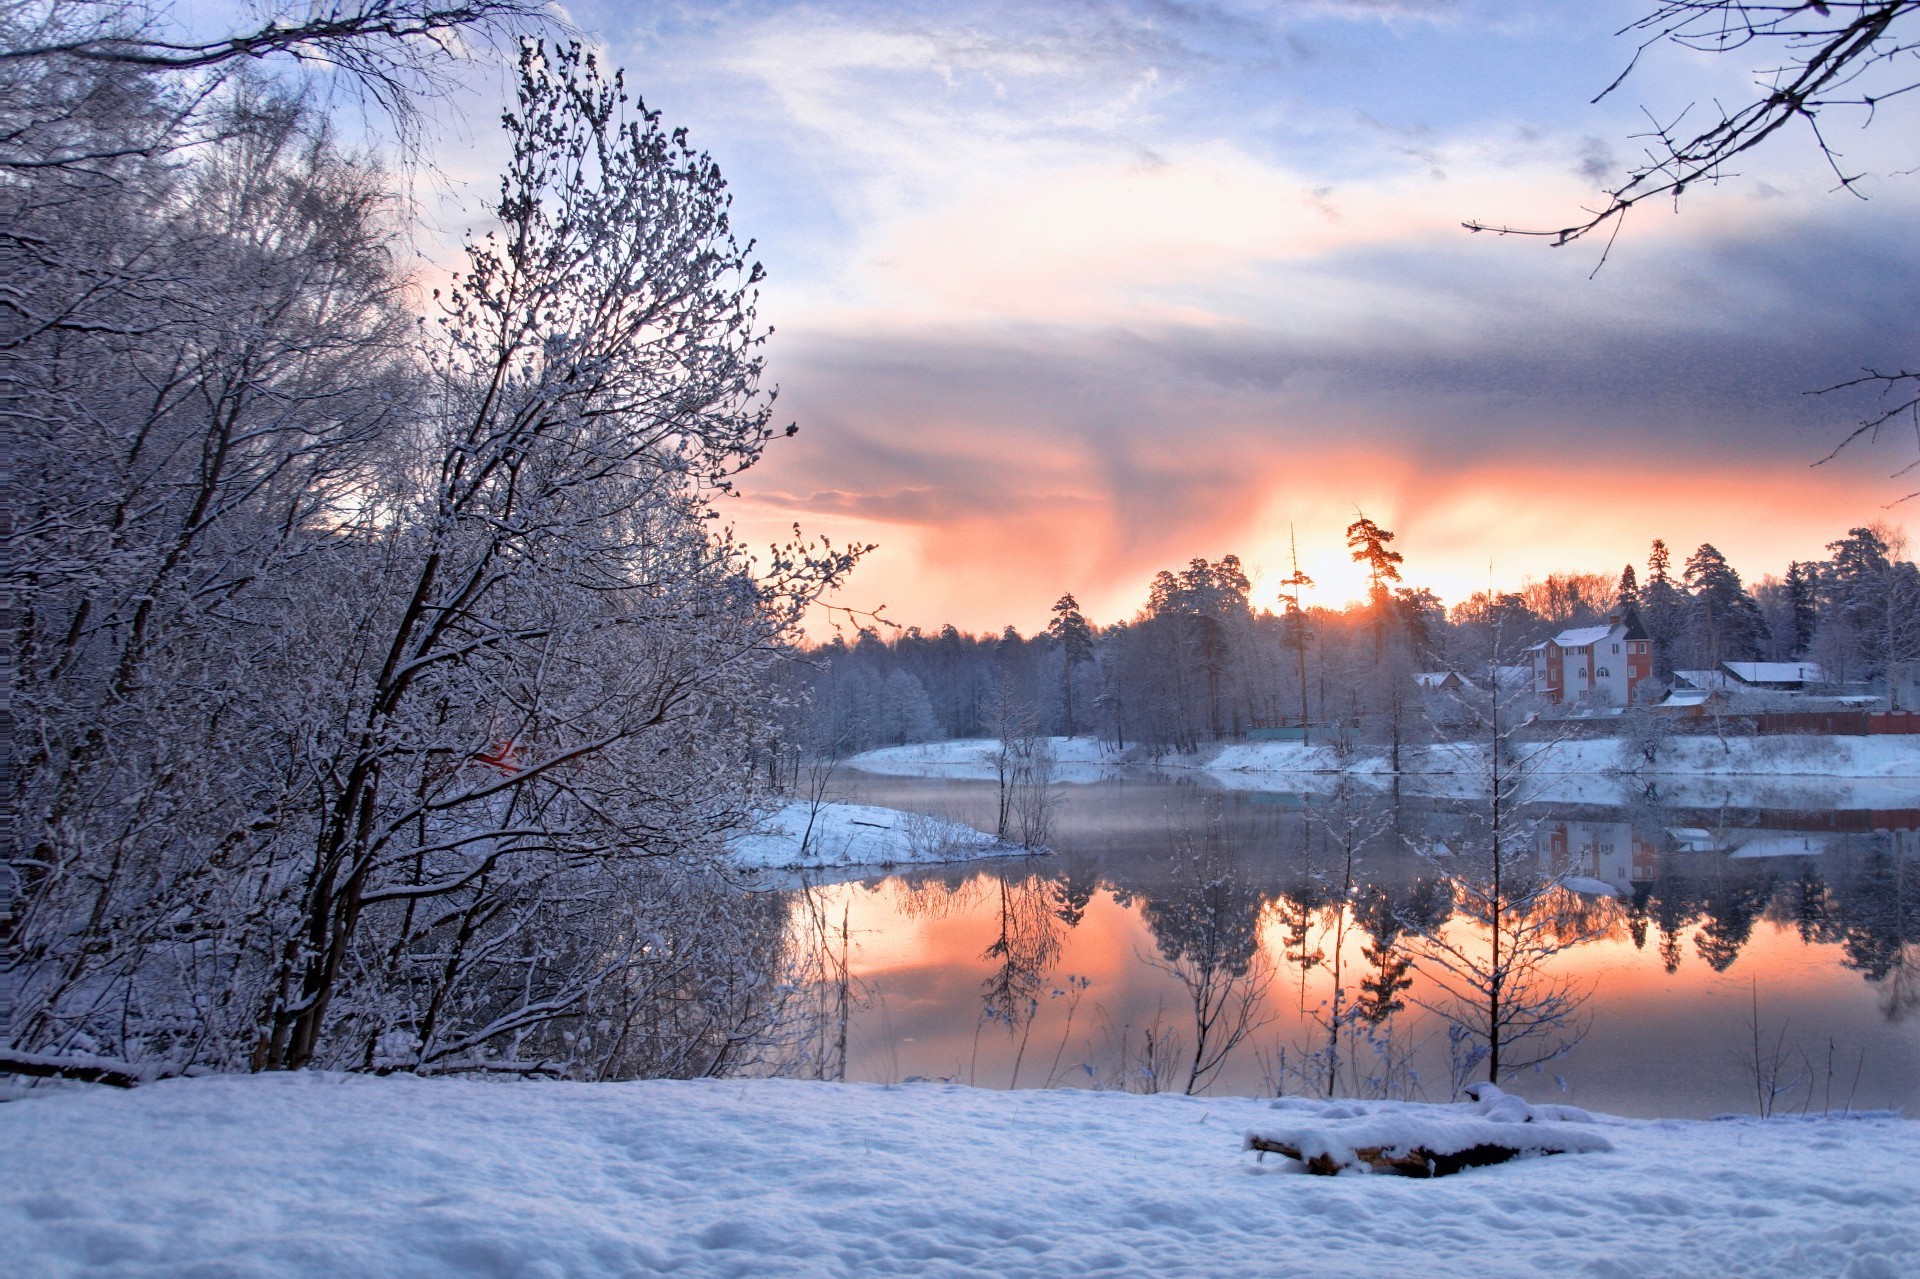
1417	1162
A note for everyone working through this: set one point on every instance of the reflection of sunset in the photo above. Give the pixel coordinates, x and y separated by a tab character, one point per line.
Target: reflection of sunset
928	960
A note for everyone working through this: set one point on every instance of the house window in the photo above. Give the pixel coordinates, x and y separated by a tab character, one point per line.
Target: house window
1616	649
1602	672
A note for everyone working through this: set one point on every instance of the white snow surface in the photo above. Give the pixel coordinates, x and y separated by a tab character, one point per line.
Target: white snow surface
1870	772
1887	756
858	835
291	1176
1076	759
1492	1118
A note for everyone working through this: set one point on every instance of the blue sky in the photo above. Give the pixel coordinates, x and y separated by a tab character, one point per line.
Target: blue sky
1066	293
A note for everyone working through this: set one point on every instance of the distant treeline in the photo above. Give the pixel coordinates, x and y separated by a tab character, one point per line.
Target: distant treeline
1204	659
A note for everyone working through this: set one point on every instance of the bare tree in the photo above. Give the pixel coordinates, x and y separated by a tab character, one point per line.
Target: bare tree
1207	928
1821	58
65	65
1491	963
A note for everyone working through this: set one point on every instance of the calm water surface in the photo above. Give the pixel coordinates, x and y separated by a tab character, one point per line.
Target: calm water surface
1065	970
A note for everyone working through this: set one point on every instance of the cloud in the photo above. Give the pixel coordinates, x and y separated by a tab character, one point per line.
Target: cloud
1069	293
1554	423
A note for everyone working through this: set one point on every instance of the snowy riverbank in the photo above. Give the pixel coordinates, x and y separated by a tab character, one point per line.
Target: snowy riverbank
800	836
309	1175
1851	772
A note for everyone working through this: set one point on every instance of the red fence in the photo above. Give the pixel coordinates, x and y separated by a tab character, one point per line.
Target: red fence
1844	723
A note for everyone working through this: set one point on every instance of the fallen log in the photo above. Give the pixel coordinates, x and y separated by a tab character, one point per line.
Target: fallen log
1415	1162
86	1070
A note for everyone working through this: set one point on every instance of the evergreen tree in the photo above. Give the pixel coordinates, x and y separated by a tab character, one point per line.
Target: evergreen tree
1803	585
1628	594
1726	624
1070	631
1662	611
1368	543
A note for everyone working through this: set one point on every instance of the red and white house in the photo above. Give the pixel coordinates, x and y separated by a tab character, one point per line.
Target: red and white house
1598	665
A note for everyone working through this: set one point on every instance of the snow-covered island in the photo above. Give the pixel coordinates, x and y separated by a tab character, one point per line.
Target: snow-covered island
332	1176
803	835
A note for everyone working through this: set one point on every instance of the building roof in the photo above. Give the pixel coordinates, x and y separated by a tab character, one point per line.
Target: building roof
1686	696
1582	636
1438	679
1705	679
1776	672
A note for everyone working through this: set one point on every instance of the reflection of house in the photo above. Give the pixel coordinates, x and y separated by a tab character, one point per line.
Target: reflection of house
1607	851
1595	664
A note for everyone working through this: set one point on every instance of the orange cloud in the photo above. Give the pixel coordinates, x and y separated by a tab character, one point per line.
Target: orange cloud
940	561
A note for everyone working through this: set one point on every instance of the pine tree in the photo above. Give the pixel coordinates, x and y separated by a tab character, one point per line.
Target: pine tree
1803	585
1070	631
1297	630
1368	542
1662	610
1726	623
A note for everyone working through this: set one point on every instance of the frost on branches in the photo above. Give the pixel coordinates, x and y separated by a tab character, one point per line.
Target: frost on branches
385	691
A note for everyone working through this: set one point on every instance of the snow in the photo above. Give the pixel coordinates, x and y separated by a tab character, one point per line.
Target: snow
1794	770
1492	1118
315	1175
858	835
1776	672
1582	636
1076	759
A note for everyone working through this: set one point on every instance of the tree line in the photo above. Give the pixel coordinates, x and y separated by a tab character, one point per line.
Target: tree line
1204	659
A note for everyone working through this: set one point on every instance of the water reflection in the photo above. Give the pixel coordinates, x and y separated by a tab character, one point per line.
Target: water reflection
1243	943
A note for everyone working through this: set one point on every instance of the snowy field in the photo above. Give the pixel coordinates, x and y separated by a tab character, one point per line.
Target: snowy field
797	836
308	1175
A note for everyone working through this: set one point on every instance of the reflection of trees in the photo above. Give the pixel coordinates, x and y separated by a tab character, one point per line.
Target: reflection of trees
1387	914
1877	914
1026	946
1074	890
1807	903
937	895
1207	927
1298	909
1637	917
1673	903
1733	903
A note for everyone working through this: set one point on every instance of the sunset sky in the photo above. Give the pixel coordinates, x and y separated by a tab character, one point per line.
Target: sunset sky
1068	293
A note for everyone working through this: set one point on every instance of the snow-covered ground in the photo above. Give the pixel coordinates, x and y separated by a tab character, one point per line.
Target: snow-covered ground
1076	759
1706	772
799	836
1887	757
1894	759
1789	771
307	1175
